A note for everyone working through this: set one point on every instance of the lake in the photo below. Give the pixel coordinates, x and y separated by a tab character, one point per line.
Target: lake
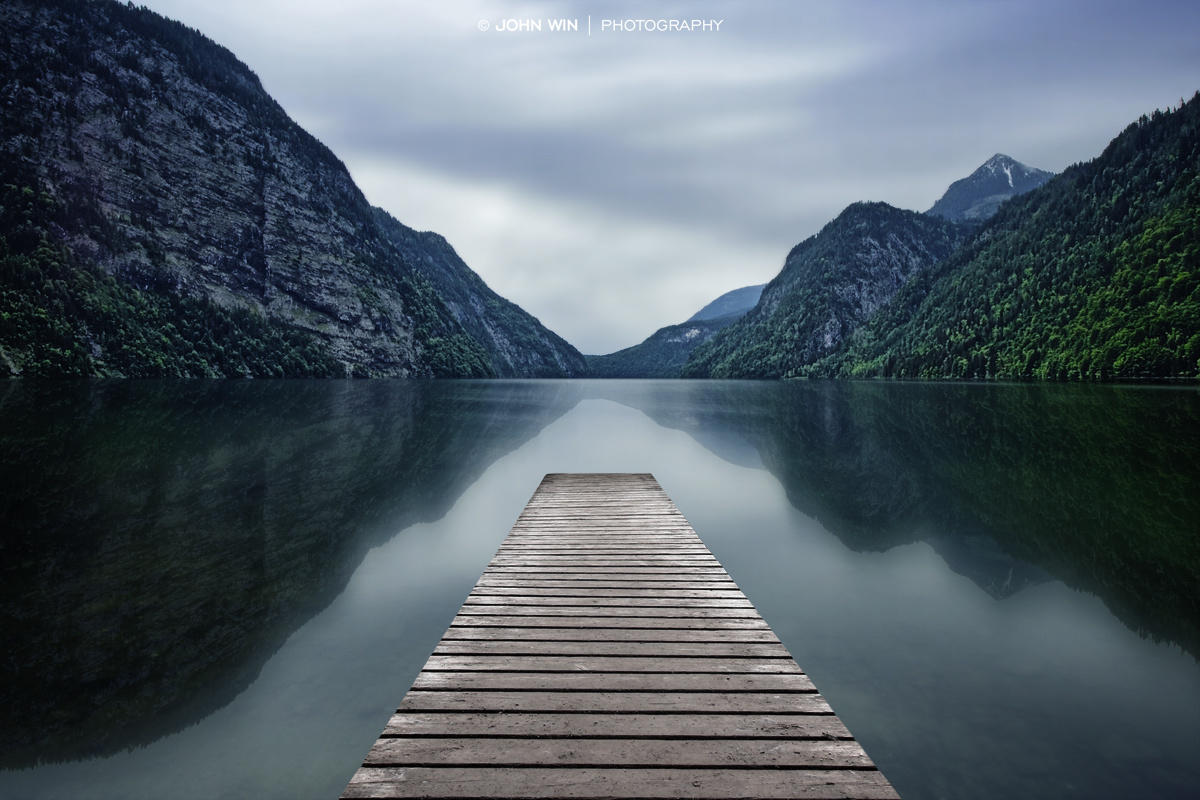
221	589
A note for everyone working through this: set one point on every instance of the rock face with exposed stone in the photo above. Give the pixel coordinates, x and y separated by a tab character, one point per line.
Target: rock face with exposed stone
830	284
170	170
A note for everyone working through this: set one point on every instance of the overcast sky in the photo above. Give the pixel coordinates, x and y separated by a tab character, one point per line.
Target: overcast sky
614	183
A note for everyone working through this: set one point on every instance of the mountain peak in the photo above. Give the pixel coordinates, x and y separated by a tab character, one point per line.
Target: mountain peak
979	195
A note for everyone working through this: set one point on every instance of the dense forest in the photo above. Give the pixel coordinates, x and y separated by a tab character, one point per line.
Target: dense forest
1094	276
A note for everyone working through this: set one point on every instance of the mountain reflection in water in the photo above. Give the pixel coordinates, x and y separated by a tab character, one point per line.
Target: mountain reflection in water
163	540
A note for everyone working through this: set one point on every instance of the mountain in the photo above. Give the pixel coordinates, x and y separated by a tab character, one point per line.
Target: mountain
978	196
519	346
1093	276
830	284
162	215
736	303
663	352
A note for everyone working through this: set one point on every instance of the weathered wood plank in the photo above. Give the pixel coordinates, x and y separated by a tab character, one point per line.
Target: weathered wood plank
423	751
634	542
612	682
609	664
639	623
617	702
586	583
663	519
582	534
592	549
609	561
577	601
533	633
581	782
609	648
644	576
566	541
604	542
698	612
647	726
487	590
596	527
616	569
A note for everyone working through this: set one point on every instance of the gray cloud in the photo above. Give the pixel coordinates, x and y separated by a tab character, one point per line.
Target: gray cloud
614	184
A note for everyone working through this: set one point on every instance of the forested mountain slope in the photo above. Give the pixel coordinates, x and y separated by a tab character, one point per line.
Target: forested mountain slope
830	284
1096	275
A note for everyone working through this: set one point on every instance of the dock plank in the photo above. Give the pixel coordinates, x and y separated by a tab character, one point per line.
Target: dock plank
420	751
581	783
548	663
605	653
544	634
613	648
577	601
612	682
585	591
616	702
621	726
642	623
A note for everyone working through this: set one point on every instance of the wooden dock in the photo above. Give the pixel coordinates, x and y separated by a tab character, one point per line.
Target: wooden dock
605	653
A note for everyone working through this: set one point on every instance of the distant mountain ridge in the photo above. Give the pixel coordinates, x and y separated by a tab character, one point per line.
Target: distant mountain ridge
830	284
736	302
978	196
1093	275
161	215
663	353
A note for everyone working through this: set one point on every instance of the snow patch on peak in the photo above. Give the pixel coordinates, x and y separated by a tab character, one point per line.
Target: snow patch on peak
998	163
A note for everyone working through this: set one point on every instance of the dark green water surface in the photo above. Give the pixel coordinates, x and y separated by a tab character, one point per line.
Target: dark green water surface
221	589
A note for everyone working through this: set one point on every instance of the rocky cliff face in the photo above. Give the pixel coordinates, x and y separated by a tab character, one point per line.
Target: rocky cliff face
518	345
830	284
171	171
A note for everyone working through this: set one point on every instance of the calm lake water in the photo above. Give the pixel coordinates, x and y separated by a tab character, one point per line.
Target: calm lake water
221	589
